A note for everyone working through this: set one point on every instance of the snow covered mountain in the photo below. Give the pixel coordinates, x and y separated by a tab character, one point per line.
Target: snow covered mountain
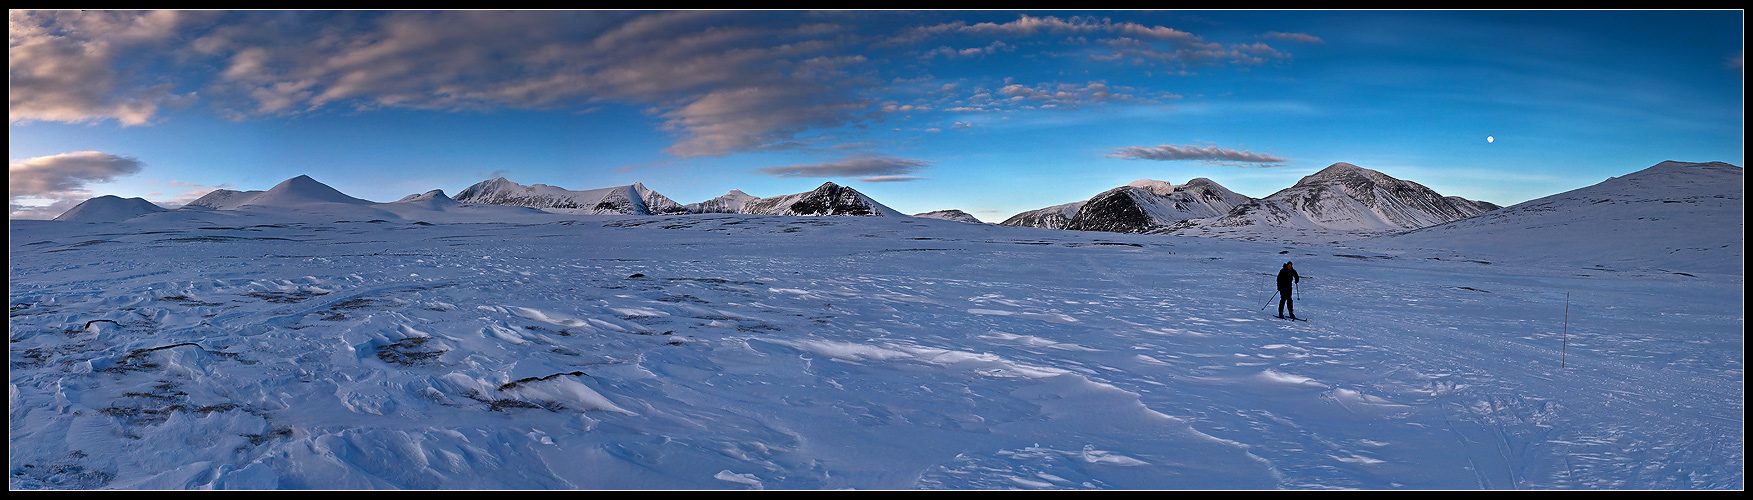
730	203
1145	205
1054	217
1342	200
297	191
828	199
1675	216
633	199
108	208
222	199
1141	206
434	199
955	215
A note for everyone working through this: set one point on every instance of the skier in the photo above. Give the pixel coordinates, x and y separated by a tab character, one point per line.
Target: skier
1286	277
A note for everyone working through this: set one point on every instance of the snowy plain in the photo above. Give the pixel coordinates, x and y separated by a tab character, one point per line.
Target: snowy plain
336	346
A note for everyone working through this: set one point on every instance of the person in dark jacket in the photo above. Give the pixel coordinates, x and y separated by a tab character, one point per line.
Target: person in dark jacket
1286	278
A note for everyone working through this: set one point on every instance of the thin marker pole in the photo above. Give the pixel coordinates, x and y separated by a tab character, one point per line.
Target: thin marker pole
1562	350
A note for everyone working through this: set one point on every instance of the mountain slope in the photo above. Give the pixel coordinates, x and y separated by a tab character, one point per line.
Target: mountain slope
1678	216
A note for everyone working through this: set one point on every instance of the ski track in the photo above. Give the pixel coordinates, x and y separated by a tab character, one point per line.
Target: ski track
734	352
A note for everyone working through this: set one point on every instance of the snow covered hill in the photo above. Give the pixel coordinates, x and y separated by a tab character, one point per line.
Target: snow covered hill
1675	216
731	203
955	215
1342	201
108	208
633	199
828	199
274	349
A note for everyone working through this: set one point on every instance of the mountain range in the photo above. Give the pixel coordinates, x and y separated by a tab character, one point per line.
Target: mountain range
1340	202
1342	199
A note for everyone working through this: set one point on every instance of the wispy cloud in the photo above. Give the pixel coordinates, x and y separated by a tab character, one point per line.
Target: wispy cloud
58	182
867	168
1293	37
1209	154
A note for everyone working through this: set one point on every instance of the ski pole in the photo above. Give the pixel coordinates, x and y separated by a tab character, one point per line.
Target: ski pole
1269	300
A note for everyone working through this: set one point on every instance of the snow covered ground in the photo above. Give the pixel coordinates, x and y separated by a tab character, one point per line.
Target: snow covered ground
240	349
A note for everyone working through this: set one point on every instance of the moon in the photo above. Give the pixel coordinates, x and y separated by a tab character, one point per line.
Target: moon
1489	139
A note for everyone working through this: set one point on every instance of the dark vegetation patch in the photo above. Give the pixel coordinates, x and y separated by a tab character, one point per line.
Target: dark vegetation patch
408	352
62	473
515	383
716	281
337	311
186	301
277	432
285	297
139	359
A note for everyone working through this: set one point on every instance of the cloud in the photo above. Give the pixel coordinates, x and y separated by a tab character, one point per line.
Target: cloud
69	66
1117	41
1210	154
870	168
1294	37
60	180
889	178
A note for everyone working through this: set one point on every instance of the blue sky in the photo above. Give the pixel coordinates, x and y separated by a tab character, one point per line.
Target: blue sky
990	112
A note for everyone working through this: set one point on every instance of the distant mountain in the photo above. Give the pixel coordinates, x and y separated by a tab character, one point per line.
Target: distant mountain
222	199
109	208
301	190
955	215
828	199
1348	197
1145	205
730	203
1054	217
633	199
1677	216
434	199
1141	206
1341	201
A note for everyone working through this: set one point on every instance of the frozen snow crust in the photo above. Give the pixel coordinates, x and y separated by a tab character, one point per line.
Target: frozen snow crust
238	349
